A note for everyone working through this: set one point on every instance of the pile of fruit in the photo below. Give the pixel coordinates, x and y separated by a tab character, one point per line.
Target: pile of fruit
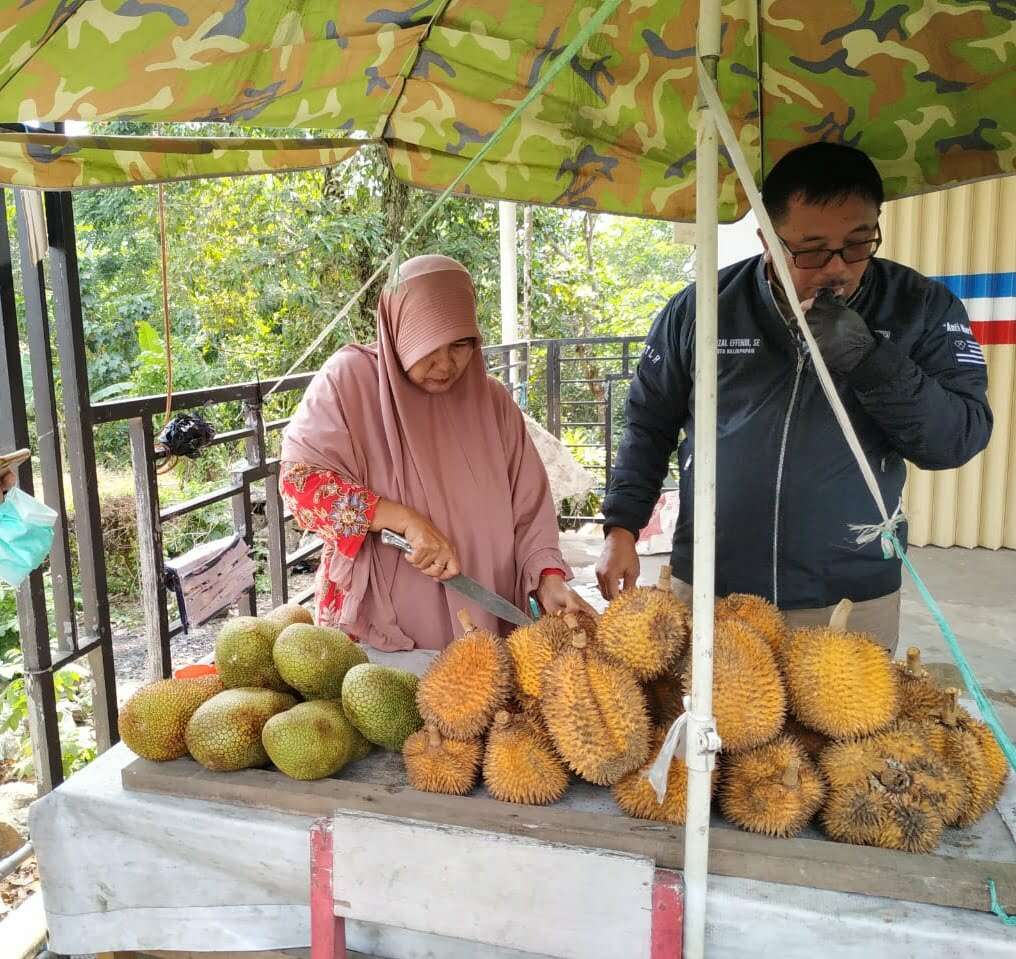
815	722
288	692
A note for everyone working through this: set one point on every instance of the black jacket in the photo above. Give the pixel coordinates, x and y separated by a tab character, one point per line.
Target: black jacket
787	484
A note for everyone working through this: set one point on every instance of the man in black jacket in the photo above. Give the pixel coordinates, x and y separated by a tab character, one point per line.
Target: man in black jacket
905	362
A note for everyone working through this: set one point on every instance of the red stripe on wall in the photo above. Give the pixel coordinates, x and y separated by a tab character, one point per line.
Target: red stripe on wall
995	332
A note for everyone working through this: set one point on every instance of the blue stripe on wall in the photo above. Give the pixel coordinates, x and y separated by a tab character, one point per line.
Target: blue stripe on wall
968	286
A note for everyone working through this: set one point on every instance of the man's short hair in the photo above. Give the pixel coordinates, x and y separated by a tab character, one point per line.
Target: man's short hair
821	173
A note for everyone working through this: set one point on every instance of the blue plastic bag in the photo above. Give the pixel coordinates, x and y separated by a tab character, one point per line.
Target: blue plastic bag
26	535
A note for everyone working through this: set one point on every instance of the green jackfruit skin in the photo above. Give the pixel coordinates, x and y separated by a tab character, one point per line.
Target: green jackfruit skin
152	722
315	659
312	740
224	734
381	703
243	654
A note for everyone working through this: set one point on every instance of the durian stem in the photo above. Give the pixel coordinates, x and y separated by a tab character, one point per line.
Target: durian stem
502	718
664	580
466	620
792	774
914	661
951	713
895	780
838	620
433	736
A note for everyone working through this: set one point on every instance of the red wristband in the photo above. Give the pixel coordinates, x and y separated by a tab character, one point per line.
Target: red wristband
552	572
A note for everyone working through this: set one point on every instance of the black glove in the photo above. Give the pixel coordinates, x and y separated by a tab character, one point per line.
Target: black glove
842	335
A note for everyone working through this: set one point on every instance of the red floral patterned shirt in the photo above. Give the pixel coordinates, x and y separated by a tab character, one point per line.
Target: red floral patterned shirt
322	502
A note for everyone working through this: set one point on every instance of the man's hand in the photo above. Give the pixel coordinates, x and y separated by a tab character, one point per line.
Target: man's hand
618	563
7	481
555	596
841	334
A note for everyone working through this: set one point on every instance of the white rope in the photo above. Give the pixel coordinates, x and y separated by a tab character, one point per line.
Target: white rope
779	260
659	772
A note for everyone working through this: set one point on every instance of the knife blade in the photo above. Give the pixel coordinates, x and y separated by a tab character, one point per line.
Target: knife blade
468	587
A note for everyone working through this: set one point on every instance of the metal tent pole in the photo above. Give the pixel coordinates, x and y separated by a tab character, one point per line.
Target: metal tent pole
701	731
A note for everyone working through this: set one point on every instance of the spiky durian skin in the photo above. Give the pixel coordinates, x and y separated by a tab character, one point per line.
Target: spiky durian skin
637	798
465	685
754	796
971	750
749	702
889	790
758	613
645	629
840	684
596	716
920	698
450	766
809	740
663	696
519	766
534	648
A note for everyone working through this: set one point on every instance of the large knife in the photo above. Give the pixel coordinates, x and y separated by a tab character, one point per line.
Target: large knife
469	588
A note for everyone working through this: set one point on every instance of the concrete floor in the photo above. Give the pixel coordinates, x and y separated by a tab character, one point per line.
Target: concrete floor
976	590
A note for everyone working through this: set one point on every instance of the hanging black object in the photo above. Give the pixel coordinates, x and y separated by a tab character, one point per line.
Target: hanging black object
186	434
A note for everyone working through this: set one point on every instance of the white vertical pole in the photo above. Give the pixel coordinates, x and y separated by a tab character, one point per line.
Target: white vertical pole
701	736
509	277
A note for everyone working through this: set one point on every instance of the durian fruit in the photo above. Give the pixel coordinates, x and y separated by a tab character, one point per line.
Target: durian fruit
533	648
438	765
595	713
774	790
971	750
749	702
664	698
920	698
645	628
519	764
469	681
838	683
636	796
889	790
758	613
810	741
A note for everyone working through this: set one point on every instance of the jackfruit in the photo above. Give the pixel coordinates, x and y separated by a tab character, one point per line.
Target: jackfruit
920	698
153	720
636	796
381	703
469	681
889	790
533	648
838	683
312	740
774	790
749	702
438	765
314	659
758	613
519	764
595	713
645	628
243	654
289	613
224	734
971	750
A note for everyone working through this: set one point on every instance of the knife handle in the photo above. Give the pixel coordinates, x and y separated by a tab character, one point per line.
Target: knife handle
393	539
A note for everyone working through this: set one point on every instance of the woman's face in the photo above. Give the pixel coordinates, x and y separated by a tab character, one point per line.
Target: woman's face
439	371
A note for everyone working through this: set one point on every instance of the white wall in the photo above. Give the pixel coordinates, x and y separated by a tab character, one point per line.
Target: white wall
738	240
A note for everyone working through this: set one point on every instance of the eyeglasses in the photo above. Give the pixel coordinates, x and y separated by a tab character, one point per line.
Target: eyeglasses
851	253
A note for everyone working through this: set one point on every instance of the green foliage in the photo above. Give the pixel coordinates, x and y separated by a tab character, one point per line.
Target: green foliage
74	710
9	632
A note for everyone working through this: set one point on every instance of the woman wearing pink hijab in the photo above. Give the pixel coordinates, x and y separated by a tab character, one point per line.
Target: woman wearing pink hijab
412	435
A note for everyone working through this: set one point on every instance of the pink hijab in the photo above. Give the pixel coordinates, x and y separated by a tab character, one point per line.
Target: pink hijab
462	458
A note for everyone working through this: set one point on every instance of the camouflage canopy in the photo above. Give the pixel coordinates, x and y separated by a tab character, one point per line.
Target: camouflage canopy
926	87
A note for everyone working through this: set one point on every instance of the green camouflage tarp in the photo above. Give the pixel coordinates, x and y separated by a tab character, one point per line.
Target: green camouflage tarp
927	89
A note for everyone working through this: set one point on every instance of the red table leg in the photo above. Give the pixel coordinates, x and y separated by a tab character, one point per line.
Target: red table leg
327	931
668	915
